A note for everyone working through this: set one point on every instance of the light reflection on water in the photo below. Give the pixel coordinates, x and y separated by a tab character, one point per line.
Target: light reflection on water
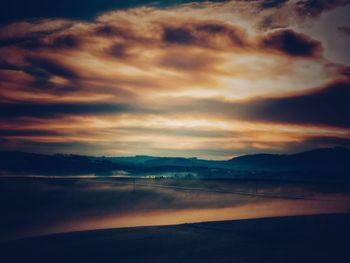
172	217
50	205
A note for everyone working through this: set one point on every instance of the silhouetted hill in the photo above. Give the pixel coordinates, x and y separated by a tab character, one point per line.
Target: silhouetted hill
177	161
329	159
325	164
31	163
138	159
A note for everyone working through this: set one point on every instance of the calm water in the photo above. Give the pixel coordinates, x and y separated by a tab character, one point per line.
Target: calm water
36	206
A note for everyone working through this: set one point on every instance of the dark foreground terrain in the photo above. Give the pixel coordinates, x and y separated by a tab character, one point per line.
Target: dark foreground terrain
319	165
322	238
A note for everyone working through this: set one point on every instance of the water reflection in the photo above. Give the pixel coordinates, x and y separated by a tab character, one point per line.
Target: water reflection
49	205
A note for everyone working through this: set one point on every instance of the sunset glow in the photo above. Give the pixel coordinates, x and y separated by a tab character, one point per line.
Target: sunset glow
207	79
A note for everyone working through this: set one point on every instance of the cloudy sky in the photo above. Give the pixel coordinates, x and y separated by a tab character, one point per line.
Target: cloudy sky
212	79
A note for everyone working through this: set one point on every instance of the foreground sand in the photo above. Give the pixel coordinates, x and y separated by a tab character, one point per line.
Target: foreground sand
322	238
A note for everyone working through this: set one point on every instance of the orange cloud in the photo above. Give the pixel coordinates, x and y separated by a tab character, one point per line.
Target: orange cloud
196	79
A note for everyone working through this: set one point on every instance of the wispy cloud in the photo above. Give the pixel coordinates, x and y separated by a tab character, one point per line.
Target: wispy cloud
213	79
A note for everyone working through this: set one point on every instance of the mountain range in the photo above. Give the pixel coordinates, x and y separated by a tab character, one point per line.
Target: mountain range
326	163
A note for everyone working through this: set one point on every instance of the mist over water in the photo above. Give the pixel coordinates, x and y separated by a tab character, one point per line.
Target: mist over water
36	206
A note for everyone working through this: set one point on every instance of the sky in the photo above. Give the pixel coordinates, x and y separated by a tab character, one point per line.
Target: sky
211	79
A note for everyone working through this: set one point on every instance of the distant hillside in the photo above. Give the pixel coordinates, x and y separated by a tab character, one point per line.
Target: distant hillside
32	163
138	159
176	161
329	159
325	164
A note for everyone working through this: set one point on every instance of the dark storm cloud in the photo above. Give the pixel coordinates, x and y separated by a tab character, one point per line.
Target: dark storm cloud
119	51
46	86
208	34
36	72
328	106
176	35
21	34
345	30
224	36
235	34
316	7
43	69
26	132
292	43
58	42
272	3
7	66
267	22
216	35
12	10
52	67
19	41
125	37
41	81
67	41
41	77
42	110
327	141
113	31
